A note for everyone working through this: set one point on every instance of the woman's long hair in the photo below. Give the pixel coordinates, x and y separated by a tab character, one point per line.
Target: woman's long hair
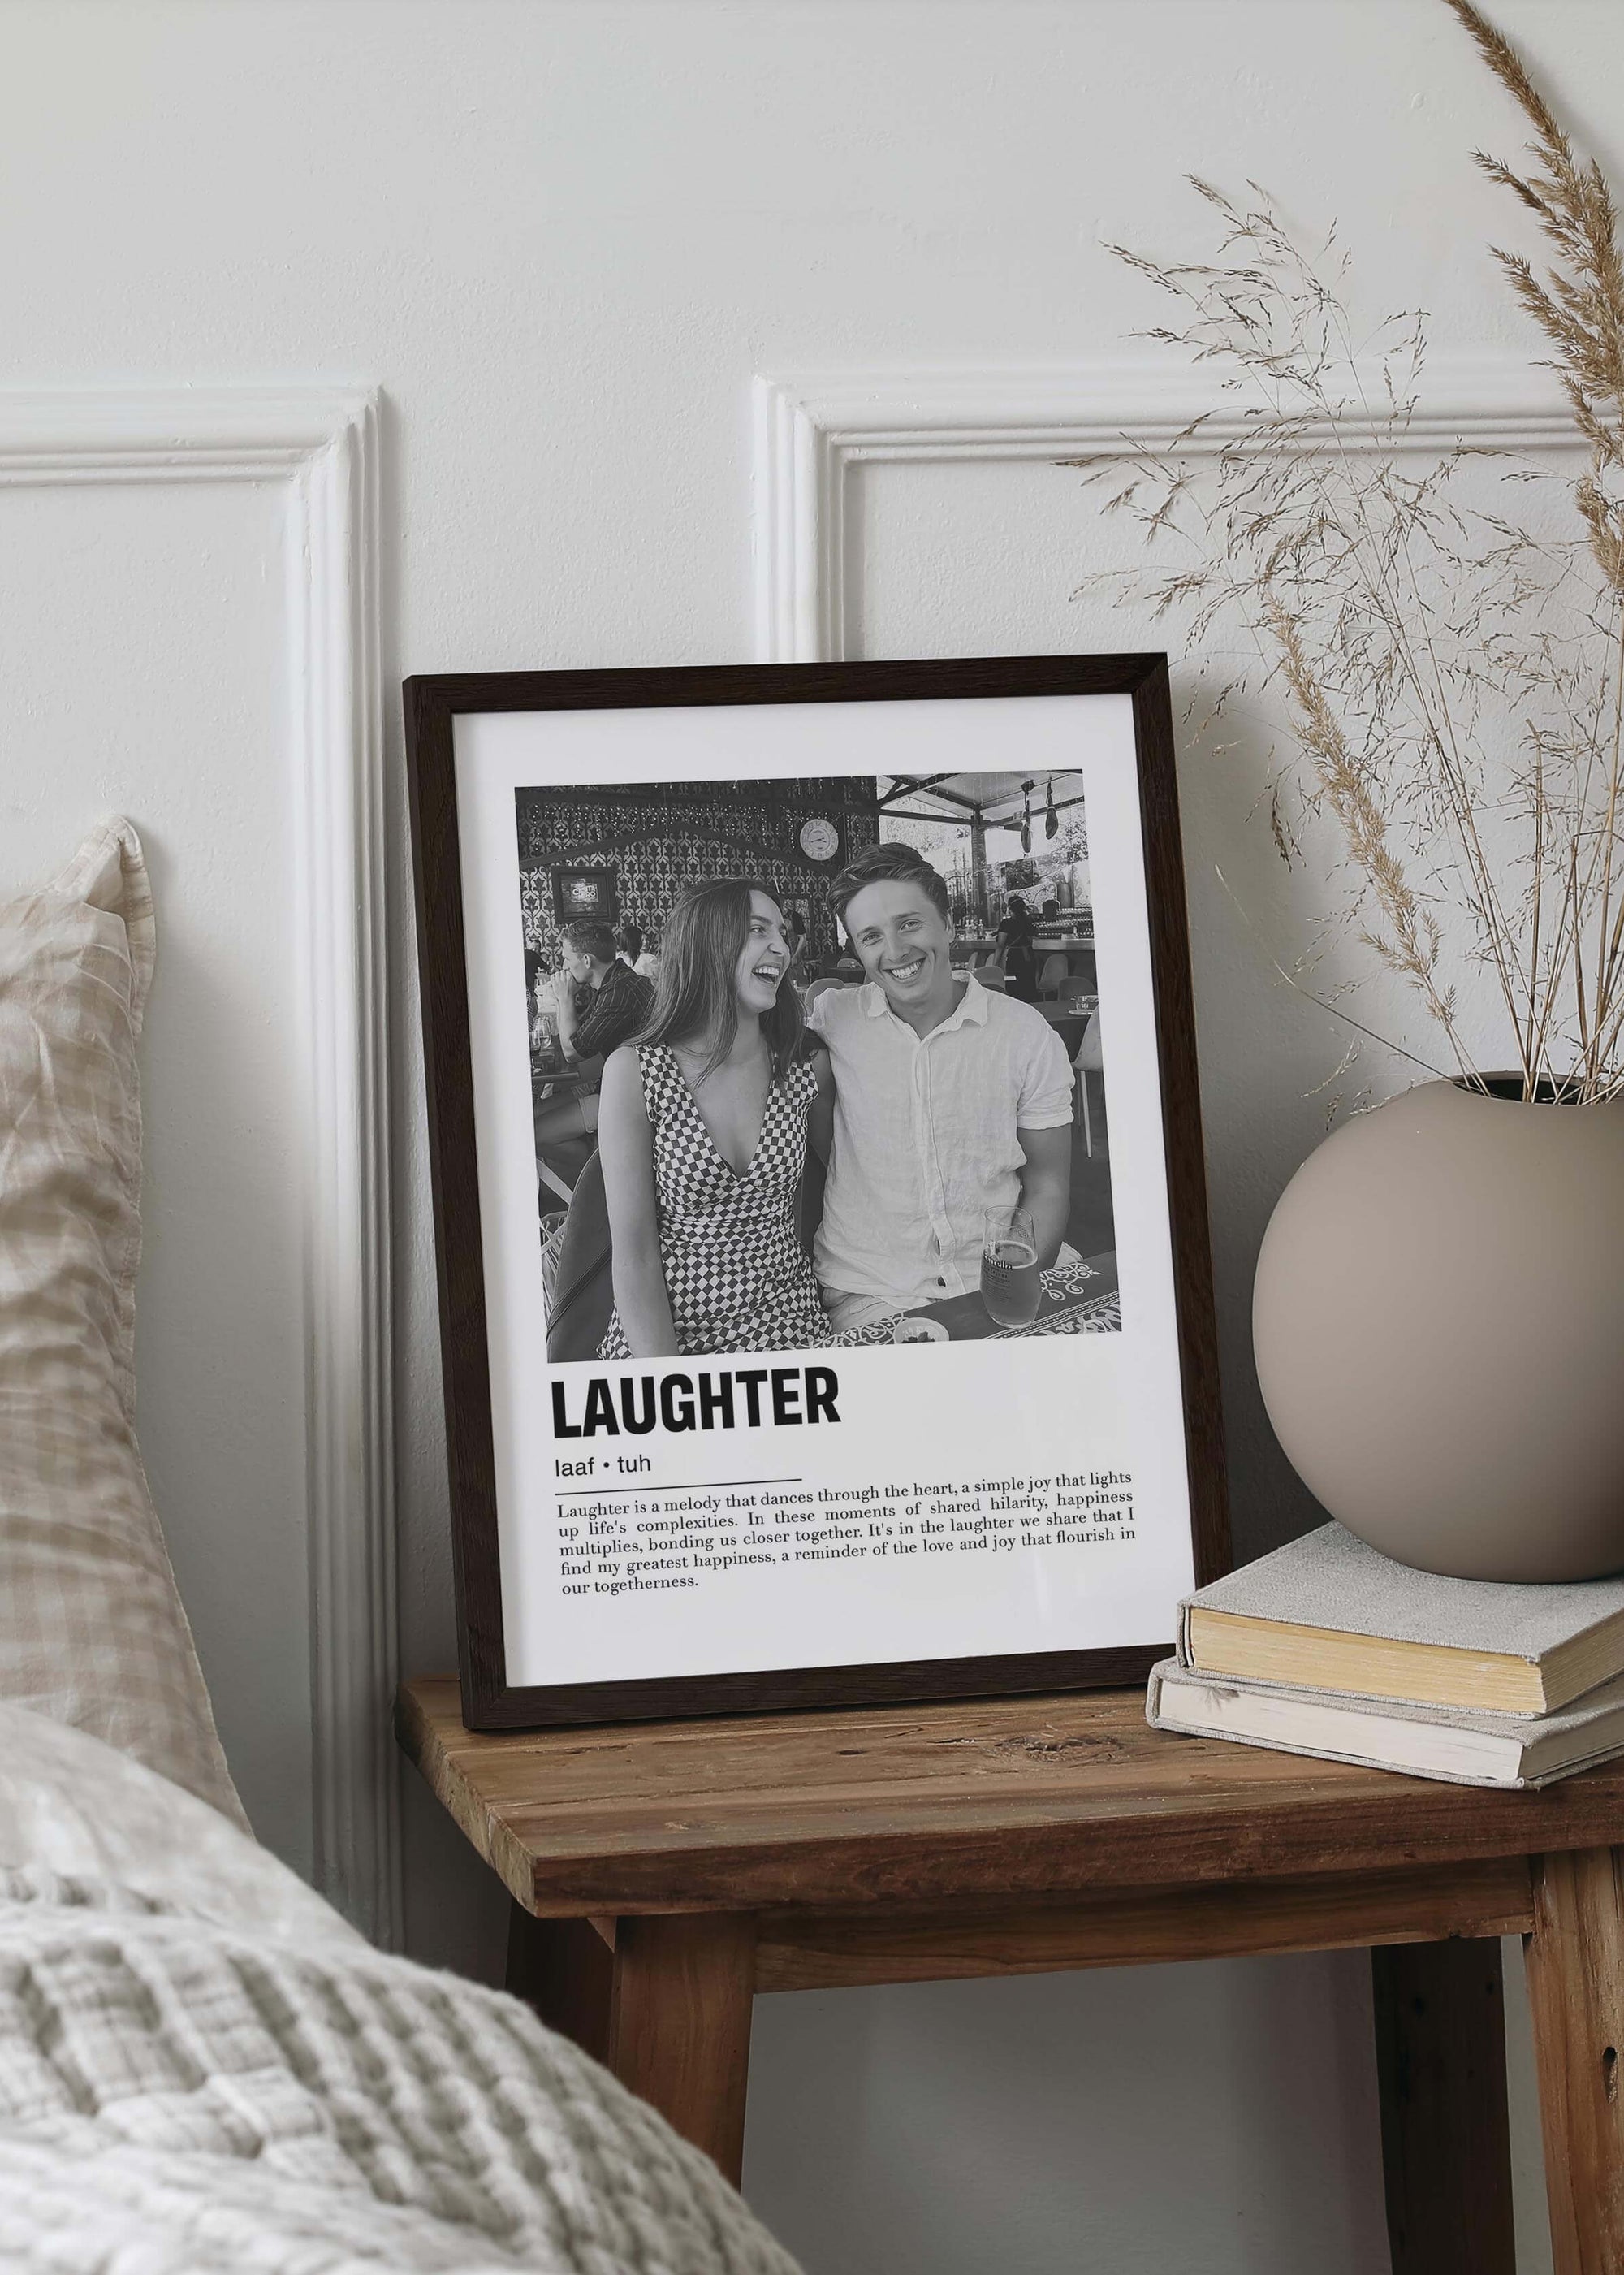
695	995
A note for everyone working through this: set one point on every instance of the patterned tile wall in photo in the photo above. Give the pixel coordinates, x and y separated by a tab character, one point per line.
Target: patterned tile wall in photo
662	838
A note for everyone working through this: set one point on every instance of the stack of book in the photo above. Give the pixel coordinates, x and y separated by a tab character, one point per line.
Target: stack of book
1327	1647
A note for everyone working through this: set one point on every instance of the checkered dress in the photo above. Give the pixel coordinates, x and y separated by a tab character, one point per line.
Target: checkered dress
735	1270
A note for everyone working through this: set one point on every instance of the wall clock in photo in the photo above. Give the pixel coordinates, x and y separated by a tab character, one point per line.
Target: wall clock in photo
820	839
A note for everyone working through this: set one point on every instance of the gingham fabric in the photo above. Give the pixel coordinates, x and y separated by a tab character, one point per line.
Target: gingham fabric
735	1270
203	2070
91	1627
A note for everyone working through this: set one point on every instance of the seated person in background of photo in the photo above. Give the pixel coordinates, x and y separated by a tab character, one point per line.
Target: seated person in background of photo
616	1002
629	944
1015	947
949	1102
702	1138
643	958
544	1013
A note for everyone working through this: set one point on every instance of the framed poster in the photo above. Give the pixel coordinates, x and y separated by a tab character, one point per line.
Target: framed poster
835	1324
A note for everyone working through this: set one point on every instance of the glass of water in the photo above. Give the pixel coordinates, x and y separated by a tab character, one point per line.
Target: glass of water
1010	1283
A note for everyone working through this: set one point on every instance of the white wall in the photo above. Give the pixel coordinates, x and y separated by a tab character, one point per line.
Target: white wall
562	237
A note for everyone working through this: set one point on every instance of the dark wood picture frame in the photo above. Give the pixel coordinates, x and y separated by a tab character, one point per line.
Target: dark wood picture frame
432	705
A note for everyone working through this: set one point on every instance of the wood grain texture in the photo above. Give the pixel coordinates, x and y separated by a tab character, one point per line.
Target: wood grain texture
992	1798
1135	1927
1445	2131
432	706
679	2025
1576	1981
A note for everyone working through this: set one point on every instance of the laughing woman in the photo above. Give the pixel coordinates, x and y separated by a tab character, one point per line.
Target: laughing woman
702	1130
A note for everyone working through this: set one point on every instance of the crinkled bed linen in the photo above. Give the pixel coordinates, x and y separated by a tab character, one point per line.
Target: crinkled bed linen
201	2068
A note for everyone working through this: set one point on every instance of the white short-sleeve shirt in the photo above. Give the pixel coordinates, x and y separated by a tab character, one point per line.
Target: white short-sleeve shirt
925	1137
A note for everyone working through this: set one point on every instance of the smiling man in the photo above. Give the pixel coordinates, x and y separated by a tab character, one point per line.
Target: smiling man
949	1101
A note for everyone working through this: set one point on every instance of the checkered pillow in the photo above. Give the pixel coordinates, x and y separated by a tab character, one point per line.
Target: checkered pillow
92	1630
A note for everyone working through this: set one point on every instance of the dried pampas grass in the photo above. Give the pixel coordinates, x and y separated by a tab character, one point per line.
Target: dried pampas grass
1454	678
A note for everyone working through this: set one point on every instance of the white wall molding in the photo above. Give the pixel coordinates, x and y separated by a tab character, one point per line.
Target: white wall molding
814	430
322	446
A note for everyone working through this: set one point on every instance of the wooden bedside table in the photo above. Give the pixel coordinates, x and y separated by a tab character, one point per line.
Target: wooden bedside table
663	1873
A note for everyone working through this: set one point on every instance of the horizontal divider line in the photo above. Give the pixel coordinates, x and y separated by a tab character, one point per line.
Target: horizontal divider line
711	1484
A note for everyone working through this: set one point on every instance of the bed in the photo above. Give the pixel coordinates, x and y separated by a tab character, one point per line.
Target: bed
202	2065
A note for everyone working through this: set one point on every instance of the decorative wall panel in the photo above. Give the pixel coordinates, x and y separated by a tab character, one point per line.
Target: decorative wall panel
190	584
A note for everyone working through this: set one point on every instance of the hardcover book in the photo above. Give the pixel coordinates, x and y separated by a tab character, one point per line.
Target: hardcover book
1328	1612
1432	1742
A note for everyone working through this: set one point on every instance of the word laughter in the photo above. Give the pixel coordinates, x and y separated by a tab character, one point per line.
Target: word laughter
745	1398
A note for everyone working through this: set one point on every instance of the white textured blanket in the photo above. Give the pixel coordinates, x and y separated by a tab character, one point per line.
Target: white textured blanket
202	2068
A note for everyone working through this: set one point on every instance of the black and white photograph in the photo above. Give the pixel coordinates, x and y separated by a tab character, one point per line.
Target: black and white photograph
823	1066
786	1022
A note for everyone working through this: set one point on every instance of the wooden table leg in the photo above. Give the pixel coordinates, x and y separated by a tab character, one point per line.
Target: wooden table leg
564	1970
1445	2134
679	2023
667	2008
1575	1983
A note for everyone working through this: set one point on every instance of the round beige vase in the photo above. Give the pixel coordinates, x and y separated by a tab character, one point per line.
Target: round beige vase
1438	1320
